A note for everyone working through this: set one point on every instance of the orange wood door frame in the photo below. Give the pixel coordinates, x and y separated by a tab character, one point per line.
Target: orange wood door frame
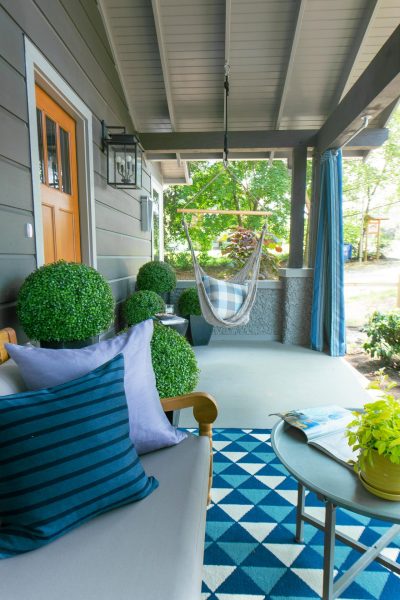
60	208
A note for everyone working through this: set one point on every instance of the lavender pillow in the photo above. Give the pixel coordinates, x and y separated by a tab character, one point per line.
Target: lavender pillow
149	427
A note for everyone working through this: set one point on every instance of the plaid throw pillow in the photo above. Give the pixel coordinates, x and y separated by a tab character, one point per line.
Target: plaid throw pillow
226	298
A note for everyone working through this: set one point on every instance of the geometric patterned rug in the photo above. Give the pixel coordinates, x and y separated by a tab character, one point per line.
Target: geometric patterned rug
250	552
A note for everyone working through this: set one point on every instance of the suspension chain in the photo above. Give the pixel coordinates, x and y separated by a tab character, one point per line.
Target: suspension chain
226	92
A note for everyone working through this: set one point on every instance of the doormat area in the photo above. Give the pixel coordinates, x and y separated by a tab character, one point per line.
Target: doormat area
250	552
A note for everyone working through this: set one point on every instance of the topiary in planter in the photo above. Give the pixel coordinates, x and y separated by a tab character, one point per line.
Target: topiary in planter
156	276
65	301
199	331
174	362
188	303
141	306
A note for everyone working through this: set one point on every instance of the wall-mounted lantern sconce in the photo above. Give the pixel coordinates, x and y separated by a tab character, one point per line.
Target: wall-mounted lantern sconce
124	157
146	210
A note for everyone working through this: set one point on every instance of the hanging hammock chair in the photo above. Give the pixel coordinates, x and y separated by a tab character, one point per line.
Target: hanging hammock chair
242	286
227	303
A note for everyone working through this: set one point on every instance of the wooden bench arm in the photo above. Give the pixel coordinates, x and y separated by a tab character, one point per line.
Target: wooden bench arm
205	411
7	336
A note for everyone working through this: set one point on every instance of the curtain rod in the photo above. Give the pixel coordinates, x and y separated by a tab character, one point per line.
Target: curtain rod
365	121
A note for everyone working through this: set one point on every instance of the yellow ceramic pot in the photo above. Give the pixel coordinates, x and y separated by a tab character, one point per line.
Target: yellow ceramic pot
381	477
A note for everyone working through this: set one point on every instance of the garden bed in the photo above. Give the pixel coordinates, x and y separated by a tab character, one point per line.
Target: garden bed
362	361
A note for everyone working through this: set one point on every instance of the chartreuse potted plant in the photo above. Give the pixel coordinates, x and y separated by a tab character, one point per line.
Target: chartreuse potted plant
141	306
199	331
375	433
65	305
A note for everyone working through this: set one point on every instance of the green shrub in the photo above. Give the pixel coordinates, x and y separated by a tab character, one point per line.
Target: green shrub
383	331
188	303
141	306
180	260
65	301
240	244
156	276
174	362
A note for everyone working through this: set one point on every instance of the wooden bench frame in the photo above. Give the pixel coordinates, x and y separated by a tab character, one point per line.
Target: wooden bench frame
205	409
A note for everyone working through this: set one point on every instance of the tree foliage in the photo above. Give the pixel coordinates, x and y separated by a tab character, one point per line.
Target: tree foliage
269	189
371	187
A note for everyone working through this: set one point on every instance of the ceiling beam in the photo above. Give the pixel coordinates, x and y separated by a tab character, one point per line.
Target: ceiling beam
290	64
165	71
374	90
103	14
365	27
164	62
212	141
289	67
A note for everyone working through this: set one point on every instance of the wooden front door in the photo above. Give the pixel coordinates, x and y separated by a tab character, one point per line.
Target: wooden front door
59	180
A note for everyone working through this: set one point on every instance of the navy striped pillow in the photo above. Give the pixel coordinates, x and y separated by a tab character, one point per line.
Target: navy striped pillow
65	457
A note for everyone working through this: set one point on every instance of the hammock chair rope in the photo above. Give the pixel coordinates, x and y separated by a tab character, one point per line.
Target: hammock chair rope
249	272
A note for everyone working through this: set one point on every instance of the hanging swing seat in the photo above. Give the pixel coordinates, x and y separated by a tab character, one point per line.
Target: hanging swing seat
228	303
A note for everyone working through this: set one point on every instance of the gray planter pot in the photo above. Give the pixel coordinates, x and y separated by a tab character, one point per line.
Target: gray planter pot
71	344
199	331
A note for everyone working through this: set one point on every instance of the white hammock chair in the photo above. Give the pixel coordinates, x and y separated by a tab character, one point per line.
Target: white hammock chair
249	273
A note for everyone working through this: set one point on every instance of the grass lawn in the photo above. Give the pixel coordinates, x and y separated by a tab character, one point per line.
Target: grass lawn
363	300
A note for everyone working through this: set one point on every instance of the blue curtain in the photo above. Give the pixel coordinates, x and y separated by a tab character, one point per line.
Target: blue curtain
327	317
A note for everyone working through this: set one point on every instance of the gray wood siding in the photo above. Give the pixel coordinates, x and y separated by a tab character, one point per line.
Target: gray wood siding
70	34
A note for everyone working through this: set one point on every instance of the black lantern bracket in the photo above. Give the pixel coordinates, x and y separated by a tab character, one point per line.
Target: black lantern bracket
124	157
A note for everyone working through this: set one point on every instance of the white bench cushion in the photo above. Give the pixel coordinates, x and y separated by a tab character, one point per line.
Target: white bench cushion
150	550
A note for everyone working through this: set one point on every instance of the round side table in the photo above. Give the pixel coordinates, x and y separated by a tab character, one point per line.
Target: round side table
337	486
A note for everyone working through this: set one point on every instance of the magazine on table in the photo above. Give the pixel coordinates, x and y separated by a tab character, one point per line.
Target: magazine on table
324	427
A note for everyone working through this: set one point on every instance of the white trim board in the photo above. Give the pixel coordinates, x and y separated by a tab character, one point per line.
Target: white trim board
155	185
39	70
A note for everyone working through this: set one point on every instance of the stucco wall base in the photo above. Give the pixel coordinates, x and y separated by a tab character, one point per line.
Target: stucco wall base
281	312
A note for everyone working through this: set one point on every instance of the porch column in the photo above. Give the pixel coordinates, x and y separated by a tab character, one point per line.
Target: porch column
314	205
299	175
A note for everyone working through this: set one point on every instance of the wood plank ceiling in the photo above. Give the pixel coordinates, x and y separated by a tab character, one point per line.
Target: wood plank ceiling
291	61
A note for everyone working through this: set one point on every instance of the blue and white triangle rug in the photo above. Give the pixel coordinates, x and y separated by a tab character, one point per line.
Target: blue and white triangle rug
250	552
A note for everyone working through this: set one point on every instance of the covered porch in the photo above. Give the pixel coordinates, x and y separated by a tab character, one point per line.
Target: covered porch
304	74
304	78
253	379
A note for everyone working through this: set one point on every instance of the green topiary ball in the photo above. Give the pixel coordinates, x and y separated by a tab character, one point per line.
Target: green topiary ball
65	301
188	303
156	276
141	306
174	362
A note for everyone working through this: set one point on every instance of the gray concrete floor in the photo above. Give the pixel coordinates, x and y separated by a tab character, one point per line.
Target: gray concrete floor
250	380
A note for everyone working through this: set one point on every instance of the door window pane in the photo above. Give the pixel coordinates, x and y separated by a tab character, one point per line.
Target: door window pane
65	166
52	166
39	116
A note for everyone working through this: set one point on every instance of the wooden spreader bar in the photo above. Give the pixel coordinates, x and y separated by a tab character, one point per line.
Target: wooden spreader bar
214	211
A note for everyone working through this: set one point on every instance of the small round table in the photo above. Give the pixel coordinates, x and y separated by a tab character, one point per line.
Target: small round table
337	486
175	322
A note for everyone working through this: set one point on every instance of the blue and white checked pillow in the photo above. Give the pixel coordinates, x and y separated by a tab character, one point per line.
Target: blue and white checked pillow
226	298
